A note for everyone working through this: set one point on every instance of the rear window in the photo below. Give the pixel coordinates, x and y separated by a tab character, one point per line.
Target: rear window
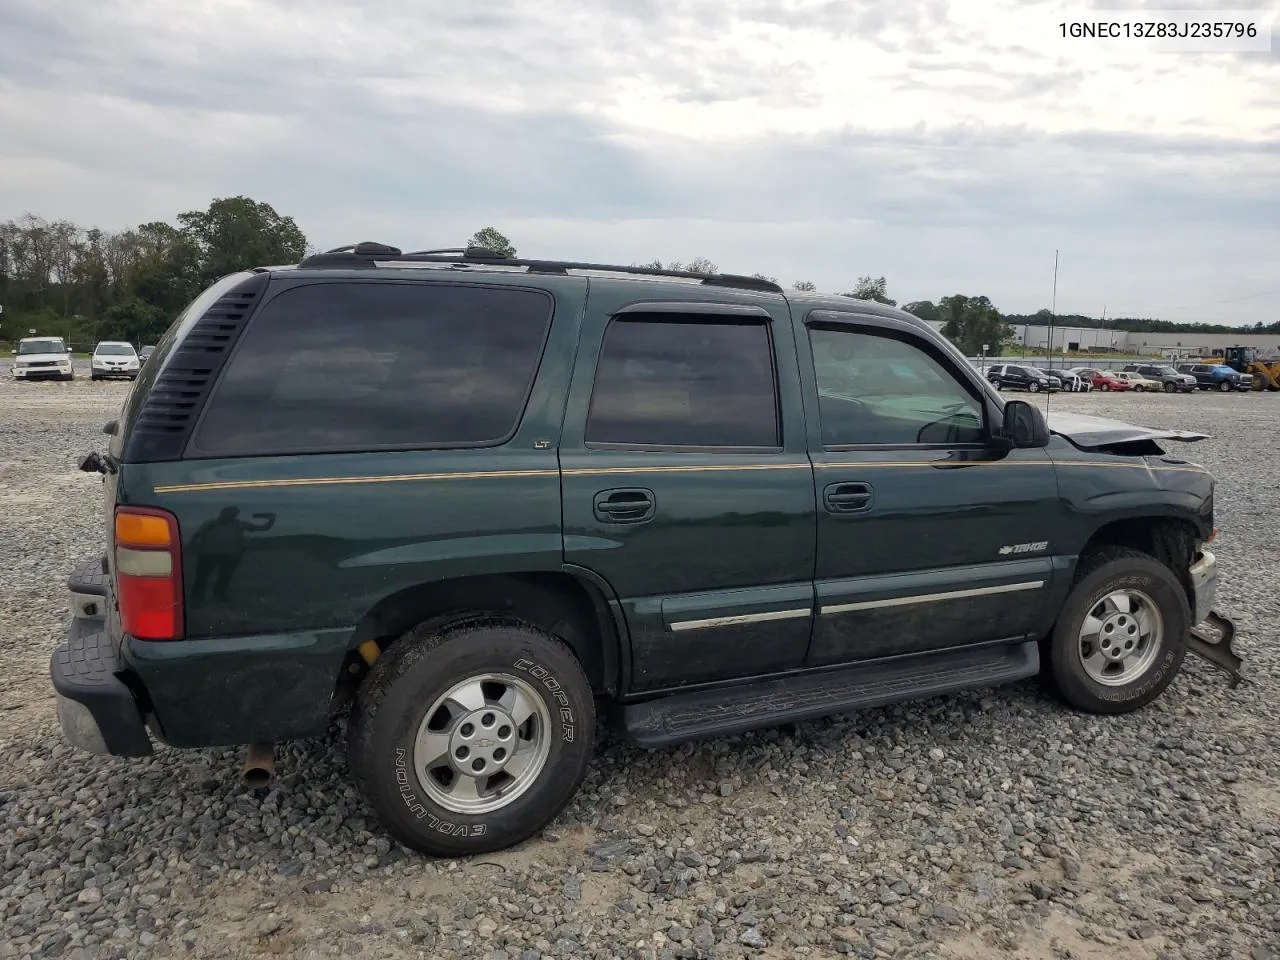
361	366
675	383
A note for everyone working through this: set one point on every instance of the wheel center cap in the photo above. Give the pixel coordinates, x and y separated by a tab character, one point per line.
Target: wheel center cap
1119	636
482	742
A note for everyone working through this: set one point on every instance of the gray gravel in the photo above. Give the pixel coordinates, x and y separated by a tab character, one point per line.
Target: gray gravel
996	824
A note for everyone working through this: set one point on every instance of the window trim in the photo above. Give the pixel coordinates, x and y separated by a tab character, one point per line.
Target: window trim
718	318
192	452
827	320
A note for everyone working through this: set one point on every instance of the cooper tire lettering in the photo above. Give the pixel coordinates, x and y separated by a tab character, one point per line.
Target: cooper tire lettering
553	687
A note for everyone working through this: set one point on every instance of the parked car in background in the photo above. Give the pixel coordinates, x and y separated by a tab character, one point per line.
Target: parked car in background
1138	382
1217	376
1103	380
1072	382
1012	376
1171	381
145	354
114	358
42	358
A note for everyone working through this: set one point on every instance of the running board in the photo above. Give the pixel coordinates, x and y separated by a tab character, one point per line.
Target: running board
728	710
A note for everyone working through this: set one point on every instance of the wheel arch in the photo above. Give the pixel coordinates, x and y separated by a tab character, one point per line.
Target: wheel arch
1169	537
568	604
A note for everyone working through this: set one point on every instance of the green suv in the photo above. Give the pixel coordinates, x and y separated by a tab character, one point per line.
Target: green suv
479	499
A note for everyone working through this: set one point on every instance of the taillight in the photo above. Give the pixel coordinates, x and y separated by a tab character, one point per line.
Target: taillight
149	573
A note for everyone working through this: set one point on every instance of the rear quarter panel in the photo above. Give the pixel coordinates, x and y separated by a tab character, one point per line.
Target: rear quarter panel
283	556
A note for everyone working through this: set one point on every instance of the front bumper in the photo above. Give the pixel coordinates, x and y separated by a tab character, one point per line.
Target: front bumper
41	373
130	372
1204	585
97	710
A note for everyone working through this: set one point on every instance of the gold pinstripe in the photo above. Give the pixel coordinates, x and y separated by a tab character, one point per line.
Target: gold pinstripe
673	468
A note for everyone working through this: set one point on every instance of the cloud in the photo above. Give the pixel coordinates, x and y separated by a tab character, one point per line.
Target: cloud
945	145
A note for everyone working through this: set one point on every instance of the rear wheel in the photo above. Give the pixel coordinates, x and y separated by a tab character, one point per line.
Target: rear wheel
1122	634
1105	388
472	739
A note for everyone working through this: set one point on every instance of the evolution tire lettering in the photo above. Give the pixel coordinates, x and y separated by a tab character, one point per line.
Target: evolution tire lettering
405	784
542	674
1150	680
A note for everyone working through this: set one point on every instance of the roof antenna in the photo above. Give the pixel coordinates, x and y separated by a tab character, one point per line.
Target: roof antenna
1053	312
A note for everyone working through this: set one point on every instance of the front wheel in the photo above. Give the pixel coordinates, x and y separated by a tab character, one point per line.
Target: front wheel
1105	388
1169	388
1033	387
1224	386
1122	634
470	740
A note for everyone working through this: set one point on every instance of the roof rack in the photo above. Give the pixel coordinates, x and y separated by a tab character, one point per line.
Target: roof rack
369	255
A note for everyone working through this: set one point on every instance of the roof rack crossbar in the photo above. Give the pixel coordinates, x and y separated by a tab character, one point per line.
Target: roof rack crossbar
370	254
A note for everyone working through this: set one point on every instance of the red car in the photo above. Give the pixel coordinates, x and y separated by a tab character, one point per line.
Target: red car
1102	380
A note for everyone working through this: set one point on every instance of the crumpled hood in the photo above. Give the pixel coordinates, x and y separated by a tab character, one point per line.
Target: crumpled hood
1094	432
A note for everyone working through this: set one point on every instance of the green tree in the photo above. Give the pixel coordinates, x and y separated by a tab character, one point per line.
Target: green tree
237	233
804	286
868	289
490	239
971	322
924	309
133	319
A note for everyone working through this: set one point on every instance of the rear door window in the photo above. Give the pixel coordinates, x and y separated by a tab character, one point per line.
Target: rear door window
363	366
669	381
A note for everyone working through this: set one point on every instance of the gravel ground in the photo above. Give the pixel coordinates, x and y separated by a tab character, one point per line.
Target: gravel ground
988	825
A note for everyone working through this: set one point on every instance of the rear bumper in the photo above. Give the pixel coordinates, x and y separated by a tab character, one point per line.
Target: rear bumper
97	710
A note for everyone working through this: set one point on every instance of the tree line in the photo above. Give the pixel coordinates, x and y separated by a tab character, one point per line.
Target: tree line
86	285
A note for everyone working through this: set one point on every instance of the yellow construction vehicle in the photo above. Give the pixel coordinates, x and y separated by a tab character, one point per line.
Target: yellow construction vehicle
1266	373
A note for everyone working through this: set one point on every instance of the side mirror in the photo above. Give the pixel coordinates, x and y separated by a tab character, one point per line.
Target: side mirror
1024	425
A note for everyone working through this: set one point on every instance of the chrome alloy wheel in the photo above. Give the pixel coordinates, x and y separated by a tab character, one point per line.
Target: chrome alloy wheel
1121	637
482	743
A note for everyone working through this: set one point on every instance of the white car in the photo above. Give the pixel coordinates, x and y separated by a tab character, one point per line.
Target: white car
42	358
114	358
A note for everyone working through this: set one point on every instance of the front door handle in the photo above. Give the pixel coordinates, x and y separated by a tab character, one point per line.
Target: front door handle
627	505
847	497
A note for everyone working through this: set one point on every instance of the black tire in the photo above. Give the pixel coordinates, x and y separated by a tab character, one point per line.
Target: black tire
403	685
1033	387
1169	388
94	377
1225	387
1105	388
1103	572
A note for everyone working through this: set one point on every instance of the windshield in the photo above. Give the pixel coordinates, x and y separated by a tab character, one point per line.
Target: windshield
27	347
1036	372
1165	371
114	350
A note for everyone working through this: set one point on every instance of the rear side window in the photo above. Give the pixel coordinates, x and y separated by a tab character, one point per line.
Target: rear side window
681	383
360	366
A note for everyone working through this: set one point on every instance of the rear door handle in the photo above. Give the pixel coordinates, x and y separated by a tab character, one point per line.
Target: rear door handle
848	497
627	505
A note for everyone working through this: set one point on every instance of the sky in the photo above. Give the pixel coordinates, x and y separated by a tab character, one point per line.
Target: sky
950	147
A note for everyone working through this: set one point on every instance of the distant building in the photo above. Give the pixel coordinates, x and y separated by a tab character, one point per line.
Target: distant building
1103	341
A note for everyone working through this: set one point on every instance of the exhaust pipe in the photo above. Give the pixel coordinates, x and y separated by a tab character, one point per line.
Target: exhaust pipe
259	765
